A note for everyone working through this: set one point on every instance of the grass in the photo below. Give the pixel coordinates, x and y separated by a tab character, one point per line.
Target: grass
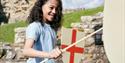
75	16
7	31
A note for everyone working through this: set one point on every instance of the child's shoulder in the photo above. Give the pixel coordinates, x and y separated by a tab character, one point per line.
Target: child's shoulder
34	24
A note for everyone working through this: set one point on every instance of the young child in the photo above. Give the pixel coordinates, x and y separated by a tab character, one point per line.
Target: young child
45	20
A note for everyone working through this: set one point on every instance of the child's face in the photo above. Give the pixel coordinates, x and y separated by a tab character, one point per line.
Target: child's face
49	10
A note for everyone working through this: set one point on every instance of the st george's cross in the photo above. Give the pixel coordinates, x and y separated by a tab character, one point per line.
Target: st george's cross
75	53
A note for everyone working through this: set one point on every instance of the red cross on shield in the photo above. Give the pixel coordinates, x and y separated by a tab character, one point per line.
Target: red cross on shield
75	53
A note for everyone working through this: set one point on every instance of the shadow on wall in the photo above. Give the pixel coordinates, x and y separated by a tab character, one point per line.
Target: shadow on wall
3	17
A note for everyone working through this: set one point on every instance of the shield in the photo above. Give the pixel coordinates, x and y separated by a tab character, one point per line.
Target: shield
69	36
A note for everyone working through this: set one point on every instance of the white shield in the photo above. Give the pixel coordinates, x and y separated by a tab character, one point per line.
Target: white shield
73	54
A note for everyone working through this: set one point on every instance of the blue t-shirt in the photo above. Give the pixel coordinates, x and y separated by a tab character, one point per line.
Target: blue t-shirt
44	37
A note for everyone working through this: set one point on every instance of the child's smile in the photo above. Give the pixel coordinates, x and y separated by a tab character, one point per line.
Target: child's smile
49	10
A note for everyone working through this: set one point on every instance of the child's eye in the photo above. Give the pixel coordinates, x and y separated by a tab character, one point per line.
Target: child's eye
51	7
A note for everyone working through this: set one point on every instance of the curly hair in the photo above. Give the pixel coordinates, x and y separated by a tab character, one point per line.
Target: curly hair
36	14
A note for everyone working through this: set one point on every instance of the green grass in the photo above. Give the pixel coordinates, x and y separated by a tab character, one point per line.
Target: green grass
7	31
75	16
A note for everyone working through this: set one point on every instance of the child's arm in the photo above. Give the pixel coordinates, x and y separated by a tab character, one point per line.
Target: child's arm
30	52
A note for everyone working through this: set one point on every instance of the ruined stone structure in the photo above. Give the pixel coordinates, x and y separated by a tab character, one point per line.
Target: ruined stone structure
16	9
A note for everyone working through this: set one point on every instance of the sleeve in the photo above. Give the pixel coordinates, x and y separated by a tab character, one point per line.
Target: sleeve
32	31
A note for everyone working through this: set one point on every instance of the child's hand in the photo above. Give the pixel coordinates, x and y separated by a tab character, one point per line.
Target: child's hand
55	53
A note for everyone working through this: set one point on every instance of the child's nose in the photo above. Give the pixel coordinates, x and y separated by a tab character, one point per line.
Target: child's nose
54	11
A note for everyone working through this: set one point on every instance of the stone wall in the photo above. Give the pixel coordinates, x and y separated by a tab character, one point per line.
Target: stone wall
12	53
16	9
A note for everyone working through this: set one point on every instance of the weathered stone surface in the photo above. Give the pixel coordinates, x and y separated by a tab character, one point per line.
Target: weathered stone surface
20	35
89	22
90	41
11	54
94	54
17	9
19	55
86	18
